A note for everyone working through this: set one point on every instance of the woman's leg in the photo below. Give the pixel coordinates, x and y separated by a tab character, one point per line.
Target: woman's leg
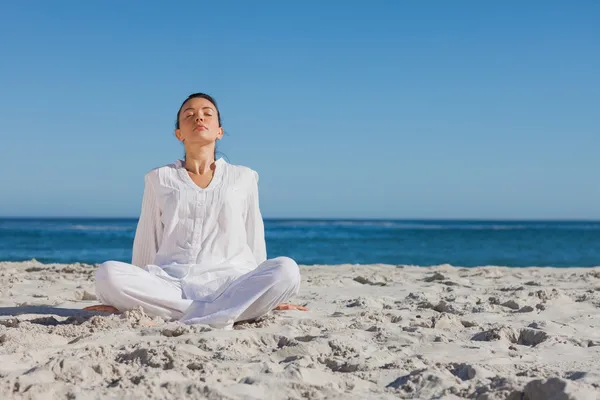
250	296
125	286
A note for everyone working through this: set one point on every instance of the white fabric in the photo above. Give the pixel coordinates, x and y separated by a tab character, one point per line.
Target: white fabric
206	237
198	251
250	296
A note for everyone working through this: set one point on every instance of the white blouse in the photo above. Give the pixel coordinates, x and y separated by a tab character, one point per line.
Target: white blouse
204	238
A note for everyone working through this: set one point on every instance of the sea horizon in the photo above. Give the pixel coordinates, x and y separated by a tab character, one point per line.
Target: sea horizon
419	219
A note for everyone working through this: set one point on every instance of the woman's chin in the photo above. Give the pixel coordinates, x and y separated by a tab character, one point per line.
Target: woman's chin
200	140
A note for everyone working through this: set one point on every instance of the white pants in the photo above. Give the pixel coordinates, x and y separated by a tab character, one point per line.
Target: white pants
125	286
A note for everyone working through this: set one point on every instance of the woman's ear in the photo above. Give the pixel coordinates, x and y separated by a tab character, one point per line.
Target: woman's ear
178	135
221	132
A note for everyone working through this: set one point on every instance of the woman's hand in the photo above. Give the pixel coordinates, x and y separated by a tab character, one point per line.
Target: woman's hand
288	306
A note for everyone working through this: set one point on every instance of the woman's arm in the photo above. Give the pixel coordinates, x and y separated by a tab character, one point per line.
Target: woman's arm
149	229
255	229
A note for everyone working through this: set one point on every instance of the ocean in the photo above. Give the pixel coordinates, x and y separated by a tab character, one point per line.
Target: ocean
411	242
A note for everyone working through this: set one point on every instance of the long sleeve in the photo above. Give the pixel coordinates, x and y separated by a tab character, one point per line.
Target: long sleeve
255	229
149	230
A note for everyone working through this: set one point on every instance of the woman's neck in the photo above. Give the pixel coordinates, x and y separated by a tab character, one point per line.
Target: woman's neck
200	160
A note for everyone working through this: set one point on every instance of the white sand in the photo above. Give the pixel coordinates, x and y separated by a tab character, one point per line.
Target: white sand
373	332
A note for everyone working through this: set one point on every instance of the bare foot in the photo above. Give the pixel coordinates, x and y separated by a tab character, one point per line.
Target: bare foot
288	306
103	308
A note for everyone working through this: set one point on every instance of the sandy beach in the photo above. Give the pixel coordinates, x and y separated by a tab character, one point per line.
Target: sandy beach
372	332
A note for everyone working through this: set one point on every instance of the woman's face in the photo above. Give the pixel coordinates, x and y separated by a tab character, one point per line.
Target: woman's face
198	122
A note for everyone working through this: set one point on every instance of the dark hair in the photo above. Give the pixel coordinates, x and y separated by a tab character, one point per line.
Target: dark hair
202	96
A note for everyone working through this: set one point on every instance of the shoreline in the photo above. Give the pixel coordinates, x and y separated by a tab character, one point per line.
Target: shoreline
345	265
373	331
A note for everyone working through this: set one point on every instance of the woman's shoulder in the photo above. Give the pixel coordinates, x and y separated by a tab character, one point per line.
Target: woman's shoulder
163	172
241	171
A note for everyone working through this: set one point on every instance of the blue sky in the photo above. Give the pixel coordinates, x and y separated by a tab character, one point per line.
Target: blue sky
383	109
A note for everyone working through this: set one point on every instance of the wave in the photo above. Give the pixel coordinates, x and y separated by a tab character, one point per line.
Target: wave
434	225
99	228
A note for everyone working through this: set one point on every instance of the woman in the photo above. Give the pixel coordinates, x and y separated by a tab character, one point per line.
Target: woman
199	251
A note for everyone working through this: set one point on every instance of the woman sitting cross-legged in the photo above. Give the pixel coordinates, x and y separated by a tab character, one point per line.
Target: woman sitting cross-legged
199	253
